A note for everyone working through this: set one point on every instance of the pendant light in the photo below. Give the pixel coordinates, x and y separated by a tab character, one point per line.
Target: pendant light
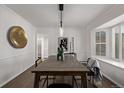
61	7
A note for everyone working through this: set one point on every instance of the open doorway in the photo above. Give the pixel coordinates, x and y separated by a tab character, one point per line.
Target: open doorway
42	47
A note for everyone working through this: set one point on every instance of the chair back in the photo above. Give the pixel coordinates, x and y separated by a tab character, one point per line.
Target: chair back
90	62
94	67
38	61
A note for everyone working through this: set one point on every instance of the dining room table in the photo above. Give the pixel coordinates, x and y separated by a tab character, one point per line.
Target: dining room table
70	66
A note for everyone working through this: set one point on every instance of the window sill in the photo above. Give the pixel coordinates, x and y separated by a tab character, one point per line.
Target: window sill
110	61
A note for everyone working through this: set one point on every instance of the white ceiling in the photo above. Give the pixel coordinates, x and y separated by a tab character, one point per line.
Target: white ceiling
113	22
48	14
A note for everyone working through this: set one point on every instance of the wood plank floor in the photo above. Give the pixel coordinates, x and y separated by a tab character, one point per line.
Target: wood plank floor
26	80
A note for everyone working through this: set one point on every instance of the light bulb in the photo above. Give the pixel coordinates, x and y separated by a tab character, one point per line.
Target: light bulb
61	32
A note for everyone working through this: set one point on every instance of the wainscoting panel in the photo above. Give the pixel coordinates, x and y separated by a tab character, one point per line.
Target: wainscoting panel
113	73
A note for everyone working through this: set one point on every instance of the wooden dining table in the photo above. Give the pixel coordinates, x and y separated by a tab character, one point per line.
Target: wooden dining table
69	67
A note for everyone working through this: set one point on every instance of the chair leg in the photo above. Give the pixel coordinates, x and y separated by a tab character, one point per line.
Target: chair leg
47	81
91	79
102	82
44	81
76	82
72	81
73	78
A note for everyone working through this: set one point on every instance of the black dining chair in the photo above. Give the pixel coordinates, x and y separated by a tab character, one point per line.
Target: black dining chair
44	78
38	61
90	74
95	72
60	85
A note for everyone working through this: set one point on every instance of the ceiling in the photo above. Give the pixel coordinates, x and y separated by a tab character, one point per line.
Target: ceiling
48	15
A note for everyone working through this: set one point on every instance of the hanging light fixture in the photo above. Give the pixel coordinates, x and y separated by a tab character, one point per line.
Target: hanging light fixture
61	7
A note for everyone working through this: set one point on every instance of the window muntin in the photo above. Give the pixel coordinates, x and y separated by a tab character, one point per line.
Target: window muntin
97	37
101	43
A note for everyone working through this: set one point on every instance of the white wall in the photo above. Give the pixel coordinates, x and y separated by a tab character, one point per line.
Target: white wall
110	14
79	39
112	72
14	61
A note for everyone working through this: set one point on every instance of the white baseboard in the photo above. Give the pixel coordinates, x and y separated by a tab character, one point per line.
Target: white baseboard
1	85
121	86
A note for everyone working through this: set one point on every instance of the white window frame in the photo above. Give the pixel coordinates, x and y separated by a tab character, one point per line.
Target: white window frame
120	42
113	43
101	42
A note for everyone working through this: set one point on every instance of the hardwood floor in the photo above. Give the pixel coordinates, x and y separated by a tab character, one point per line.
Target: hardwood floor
26	80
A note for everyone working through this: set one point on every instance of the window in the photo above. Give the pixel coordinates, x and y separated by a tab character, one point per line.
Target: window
109	42
101	43
118	42
122	40
123	45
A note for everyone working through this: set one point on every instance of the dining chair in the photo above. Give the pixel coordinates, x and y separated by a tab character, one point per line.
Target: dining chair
45	79
60	85
75	78
38	61
95	72
95	76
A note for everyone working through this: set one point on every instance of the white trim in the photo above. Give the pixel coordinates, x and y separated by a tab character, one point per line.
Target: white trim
110	61
1	85
105	31
112	80
119	30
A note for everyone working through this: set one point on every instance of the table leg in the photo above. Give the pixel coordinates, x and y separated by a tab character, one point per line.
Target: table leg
84	81
36	80
73	81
